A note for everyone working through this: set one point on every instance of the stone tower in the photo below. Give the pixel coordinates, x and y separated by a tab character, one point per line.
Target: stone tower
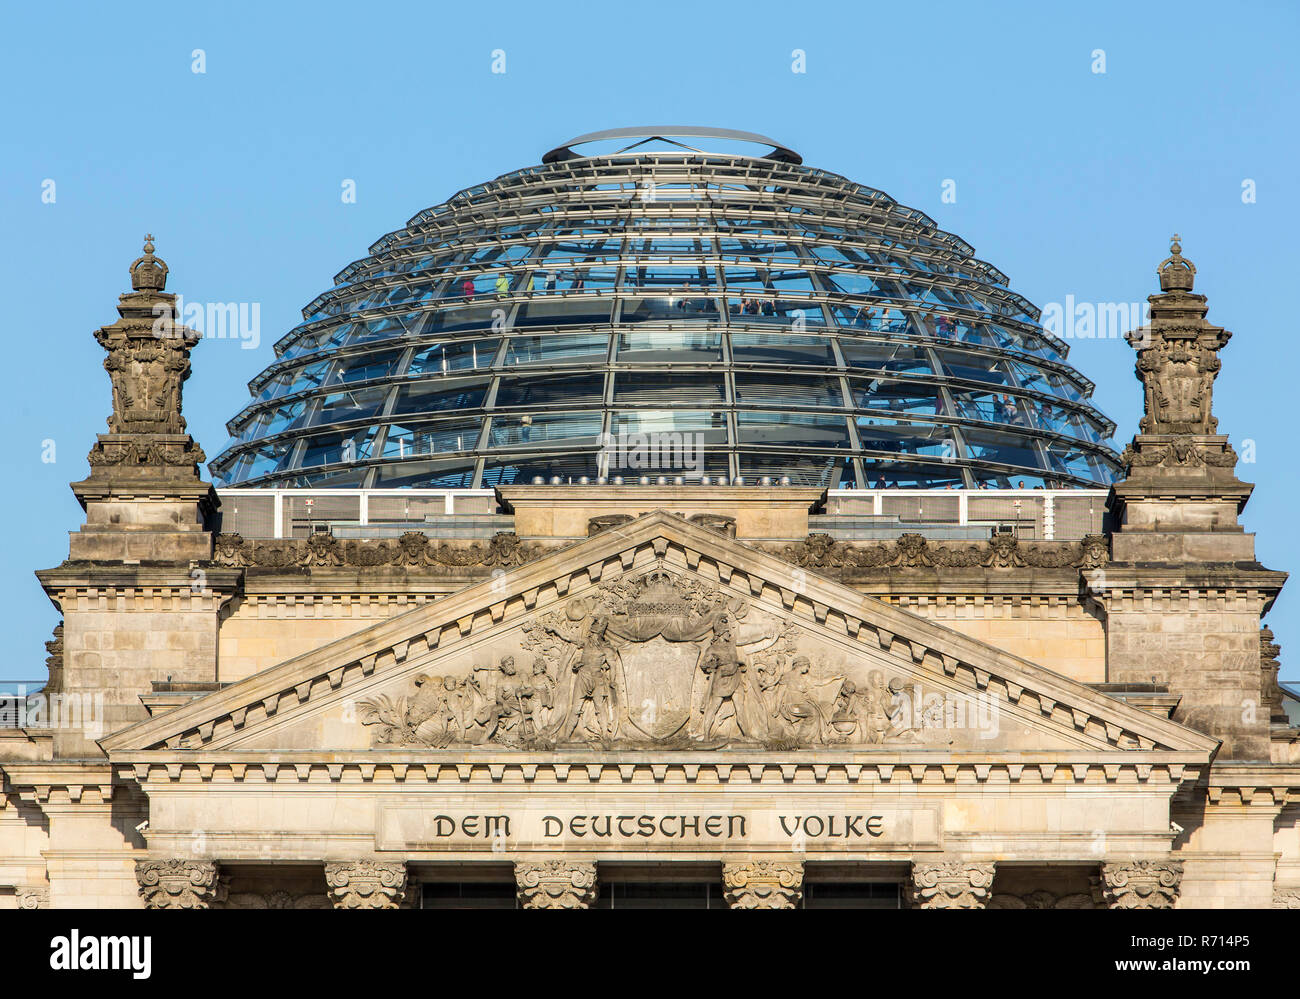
1184	592
138	612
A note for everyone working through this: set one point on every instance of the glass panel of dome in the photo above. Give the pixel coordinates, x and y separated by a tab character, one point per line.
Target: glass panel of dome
888	394
804	469
546	429
310	377
523	469
898	358
550	390
437	395
376	329
365	367
905	437
1073	461
429	437
1003	448
754	388
567	348
339	407
569	311
329	449
774	348
455	473
666	309
290	416
974	367
667	346
454	355
334	478
887	474
278	385
267	459
709	425
820	430
654	388
851	284
450	320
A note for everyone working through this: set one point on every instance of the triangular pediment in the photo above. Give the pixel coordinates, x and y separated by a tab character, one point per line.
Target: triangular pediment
658	636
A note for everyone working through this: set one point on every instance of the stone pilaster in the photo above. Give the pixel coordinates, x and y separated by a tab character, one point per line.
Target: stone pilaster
1183	592
950	884
1141	884
367	884
556	884
178	883
763	884
33	896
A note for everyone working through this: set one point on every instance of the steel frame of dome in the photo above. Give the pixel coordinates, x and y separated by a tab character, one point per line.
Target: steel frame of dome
796	323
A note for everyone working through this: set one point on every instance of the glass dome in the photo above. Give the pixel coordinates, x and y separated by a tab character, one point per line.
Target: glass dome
663	308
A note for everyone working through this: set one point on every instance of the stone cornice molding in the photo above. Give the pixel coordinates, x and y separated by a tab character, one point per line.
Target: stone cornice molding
843	615
51	783
1117	771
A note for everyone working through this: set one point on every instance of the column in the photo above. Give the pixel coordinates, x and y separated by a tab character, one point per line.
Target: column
763	884
1141	884
178	884
951	884
556	884
366	884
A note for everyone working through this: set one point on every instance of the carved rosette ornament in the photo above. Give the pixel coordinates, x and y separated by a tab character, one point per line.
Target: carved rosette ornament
1141	884
763	884
366	884
556	884
950	884
179	884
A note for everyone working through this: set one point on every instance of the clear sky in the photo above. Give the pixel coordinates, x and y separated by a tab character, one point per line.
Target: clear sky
1067	179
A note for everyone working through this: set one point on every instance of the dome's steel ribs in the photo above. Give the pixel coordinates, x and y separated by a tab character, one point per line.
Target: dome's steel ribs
790	322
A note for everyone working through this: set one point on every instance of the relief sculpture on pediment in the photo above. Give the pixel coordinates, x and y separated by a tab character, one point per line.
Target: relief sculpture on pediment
660	660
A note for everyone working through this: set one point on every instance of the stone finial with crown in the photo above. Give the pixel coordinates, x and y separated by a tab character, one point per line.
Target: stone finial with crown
148	273
1177	273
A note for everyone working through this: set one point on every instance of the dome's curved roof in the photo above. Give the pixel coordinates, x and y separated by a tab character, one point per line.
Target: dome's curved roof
591	314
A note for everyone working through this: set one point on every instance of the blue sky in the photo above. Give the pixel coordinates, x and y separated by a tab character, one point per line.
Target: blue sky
1068	180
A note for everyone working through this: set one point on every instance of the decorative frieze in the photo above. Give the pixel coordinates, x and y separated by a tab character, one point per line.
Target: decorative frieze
1141	884
413	550
556	884
1002	552
179	883
950	884
763	884
366	884
1042	900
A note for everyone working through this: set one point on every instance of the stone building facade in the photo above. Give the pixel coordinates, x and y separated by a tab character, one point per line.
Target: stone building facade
657	685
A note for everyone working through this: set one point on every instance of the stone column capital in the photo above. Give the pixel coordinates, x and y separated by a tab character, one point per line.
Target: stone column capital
763	884
951	884
366	884
556	884
1141	884
178	883
32	896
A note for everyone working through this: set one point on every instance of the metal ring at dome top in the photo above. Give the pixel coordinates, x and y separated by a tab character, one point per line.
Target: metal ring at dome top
668	133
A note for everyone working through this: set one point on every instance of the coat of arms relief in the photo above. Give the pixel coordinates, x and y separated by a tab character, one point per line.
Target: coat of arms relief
660	660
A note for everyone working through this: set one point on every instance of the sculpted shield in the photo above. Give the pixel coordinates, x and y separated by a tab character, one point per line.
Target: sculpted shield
659	675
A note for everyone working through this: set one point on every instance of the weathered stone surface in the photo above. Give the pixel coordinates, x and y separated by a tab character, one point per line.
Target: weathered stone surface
556	884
